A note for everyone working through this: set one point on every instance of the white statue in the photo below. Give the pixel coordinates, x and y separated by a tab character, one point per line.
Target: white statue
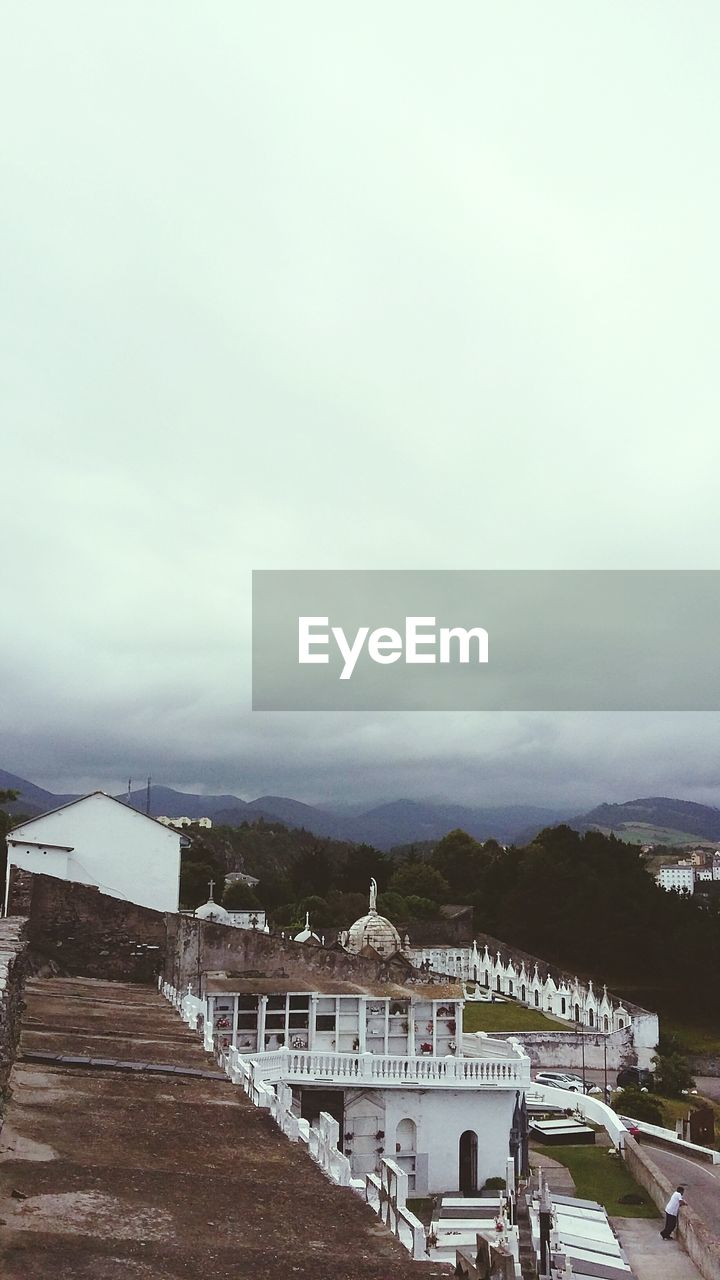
373	895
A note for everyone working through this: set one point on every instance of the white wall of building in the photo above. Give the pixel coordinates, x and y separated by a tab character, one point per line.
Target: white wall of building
681	879
440	1117
99	841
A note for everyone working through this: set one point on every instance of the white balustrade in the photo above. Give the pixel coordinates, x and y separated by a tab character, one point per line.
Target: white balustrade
378	1069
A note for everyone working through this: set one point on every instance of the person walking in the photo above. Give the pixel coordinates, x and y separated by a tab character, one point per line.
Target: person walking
672	1209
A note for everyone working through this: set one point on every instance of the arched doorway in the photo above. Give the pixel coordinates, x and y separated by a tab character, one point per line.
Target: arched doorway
468	1163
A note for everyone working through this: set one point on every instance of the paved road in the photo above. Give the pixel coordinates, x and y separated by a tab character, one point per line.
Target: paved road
701	1182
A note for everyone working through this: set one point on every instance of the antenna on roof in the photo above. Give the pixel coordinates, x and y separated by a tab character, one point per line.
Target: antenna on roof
147	799
129	790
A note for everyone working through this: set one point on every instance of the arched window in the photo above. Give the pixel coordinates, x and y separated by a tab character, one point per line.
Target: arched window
497	983
577	1012
523	993
563	1006
606	1023
510	987
537	998
405	1137
591	1018
621	1022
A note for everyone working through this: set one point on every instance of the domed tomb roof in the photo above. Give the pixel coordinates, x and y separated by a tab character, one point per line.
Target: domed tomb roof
212	910
373	930
306	934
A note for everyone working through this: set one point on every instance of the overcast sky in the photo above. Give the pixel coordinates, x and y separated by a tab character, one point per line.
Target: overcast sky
331	285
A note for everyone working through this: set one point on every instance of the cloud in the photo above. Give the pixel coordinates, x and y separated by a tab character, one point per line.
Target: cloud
299	287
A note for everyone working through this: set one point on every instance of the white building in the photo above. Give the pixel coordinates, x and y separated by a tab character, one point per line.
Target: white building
386	1064
680	879
185	822
100	841
486	975
252	918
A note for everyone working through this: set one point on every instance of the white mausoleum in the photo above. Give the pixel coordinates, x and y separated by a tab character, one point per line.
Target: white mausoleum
385	1063
100	841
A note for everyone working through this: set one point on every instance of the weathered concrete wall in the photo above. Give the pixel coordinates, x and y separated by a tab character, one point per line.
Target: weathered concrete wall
86	932
13	966
702	1246
560	1049
195	947
704	1064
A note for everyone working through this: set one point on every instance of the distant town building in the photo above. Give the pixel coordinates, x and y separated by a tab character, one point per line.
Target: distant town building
185	822
100	841
240	877
677	878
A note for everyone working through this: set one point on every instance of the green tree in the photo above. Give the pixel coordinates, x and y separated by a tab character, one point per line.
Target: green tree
459	859
672	1074
638	1106
7	822
363	864
240	897
421	880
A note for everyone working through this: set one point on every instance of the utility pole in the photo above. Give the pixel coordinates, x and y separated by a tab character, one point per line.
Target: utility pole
581	1033
147	799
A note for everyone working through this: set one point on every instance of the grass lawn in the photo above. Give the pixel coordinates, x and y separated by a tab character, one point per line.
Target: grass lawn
489	1016
677	1108
602	1177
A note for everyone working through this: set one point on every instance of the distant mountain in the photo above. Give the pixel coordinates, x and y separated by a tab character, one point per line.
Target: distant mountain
296	814
654	820
32	800
180	804
399	822
403	822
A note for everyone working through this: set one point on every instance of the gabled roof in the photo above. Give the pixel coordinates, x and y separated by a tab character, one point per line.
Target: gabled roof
81	800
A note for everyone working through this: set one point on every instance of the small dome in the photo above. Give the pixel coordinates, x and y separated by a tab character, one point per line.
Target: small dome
212	911
374	931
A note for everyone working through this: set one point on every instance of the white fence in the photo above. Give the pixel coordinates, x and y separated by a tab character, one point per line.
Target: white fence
387	1194
586	1107
378	1069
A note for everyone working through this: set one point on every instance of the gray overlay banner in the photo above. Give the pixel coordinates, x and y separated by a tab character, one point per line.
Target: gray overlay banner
589	640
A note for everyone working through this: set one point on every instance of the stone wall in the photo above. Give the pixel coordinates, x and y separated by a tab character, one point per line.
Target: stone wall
79	930
702	1246
13	966
195	947
560	1049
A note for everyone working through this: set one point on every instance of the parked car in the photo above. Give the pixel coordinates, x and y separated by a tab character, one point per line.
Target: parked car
634	1078
560	1080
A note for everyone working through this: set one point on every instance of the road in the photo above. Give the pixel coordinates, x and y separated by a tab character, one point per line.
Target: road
701	1181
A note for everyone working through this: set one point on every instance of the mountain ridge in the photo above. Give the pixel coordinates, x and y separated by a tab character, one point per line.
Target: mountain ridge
402	822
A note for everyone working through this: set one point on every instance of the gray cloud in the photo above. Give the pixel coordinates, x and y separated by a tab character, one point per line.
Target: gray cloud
300	286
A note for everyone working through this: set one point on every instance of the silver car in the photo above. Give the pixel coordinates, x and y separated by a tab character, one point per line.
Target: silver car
560	1080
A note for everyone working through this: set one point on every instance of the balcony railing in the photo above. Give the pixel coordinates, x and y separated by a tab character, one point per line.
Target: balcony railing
381	1070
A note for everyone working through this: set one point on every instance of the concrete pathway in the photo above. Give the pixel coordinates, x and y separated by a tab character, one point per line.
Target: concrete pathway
558	1178
114	1168
650	1257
